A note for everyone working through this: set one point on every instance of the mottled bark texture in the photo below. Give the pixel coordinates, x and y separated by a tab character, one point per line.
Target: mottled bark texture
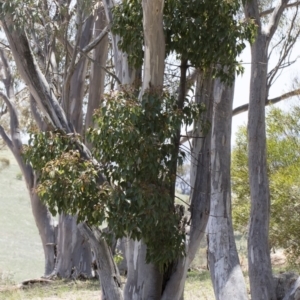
260	269
223	260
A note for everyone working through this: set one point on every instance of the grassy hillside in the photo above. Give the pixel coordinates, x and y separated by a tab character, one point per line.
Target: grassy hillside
21	253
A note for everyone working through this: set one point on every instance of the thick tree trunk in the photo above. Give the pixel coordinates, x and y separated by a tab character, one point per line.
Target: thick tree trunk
74	257
224	266
145	280
154	58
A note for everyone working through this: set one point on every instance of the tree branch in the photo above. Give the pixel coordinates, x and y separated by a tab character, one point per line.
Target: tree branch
276	15
105	69
97	40
32	75
6	139
269	11
245	107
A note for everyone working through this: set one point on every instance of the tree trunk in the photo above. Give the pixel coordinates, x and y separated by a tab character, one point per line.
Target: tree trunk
41	214
260	269
74	257
97	77
77	85
154	58
223	260
200	199
106	267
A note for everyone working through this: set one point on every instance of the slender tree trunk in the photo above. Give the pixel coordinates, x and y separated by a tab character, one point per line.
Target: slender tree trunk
41	214
97	77
154	58
224	266
200	199
77	85
260	269
106	267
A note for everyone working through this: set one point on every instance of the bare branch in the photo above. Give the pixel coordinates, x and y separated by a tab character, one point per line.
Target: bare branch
245	107
105	69
269	11
36	115
274	20
97	40
284	52
32	75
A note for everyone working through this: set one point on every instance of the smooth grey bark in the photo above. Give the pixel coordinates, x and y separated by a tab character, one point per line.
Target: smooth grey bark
41	214
40	90
154	57
145	279
118	55
73	107
97	77
223	260
74	257
200	199
106	267
259	262
32	75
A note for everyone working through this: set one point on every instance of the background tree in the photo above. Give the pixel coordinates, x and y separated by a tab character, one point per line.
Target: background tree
283	169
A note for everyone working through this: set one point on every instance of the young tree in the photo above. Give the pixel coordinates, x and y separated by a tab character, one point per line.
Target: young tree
260	270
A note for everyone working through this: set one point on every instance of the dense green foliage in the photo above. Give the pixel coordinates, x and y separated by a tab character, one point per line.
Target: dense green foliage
206	33
133	143
283	144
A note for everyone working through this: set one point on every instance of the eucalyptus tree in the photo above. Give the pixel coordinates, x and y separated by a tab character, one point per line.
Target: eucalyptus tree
129	181
260	270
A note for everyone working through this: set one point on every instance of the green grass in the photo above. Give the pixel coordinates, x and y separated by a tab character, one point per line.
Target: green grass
21	253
